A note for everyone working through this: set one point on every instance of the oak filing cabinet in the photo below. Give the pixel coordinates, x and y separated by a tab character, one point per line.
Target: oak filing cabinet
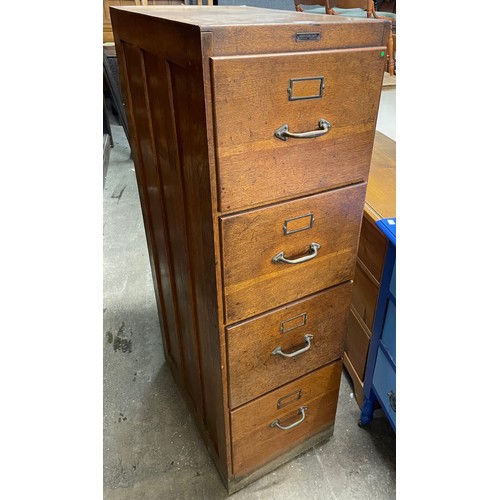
252	132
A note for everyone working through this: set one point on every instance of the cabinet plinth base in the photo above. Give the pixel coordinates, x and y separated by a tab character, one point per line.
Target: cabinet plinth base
234	485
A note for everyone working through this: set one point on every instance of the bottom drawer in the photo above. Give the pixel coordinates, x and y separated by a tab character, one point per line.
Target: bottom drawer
266	428
384	383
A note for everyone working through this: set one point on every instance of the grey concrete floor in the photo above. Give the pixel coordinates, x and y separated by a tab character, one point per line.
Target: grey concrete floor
152	449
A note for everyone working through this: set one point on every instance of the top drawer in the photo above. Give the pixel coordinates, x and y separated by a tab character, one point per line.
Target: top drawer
254	96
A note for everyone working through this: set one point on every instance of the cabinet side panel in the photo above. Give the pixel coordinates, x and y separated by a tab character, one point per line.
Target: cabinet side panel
166	109
188	89
162	105
133	91
173	269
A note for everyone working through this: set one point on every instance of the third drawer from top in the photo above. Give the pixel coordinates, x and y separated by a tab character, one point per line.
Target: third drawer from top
279	346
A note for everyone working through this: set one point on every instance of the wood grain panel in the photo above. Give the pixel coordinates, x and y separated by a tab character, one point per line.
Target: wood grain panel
276	31
159	91
372	247
106	18
255	442
183	306
151	195
381	192
357	343
106	4
253	283
180	47
364	295
160	288
251	102
356	381
216	191
191	126
254	370
380	202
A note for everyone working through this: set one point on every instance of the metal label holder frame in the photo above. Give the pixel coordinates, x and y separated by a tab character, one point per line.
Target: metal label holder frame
303	323
292	231
321	81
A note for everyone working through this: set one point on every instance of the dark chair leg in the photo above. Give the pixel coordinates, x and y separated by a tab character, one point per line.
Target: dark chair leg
106	125
114	86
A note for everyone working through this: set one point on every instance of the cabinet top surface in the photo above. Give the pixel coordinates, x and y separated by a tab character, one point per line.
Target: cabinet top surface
206	17
381	191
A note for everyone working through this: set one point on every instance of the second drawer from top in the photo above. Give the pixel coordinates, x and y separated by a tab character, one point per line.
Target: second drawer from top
278	254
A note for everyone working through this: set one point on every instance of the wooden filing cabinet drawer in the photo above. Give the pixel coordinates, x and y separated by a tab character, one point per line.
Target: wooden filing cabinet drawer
364	296
356	344
255	370
254	281
256	95
309	402
372	248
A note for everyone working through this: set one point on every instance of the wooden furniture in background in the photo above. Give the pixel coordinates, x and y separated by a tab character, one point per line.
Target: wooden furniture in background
350	8
252	133
106	4
380	374
386	6
380	204
112	81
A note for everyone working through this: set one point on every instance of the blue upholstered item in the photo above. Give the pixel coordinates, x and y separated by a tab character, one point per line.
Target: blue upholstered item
346	12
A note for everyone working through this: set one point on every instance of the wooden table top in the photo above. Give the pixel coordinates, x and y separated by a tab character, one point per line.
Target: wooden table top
381	192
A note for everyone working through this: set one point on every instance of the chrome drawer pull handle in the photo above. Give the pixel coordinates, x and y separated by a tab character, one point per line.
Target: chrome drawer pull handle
302	411
278	350
313	249
283	133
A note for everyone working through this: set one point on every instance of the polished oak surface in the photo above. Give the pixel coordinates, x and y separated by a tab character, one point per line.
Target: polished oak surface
252	101
380	203
254	440
381	191
222	196
250	241
255	370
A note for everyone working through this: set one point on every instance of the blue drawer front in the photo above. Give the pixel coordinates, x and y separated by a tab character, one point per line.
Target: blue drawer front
389	331
384	383
392	286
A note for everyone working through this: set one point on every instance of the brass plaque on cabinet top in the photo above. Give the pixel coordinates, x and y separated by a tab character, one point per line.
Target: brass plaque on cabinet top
307	37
